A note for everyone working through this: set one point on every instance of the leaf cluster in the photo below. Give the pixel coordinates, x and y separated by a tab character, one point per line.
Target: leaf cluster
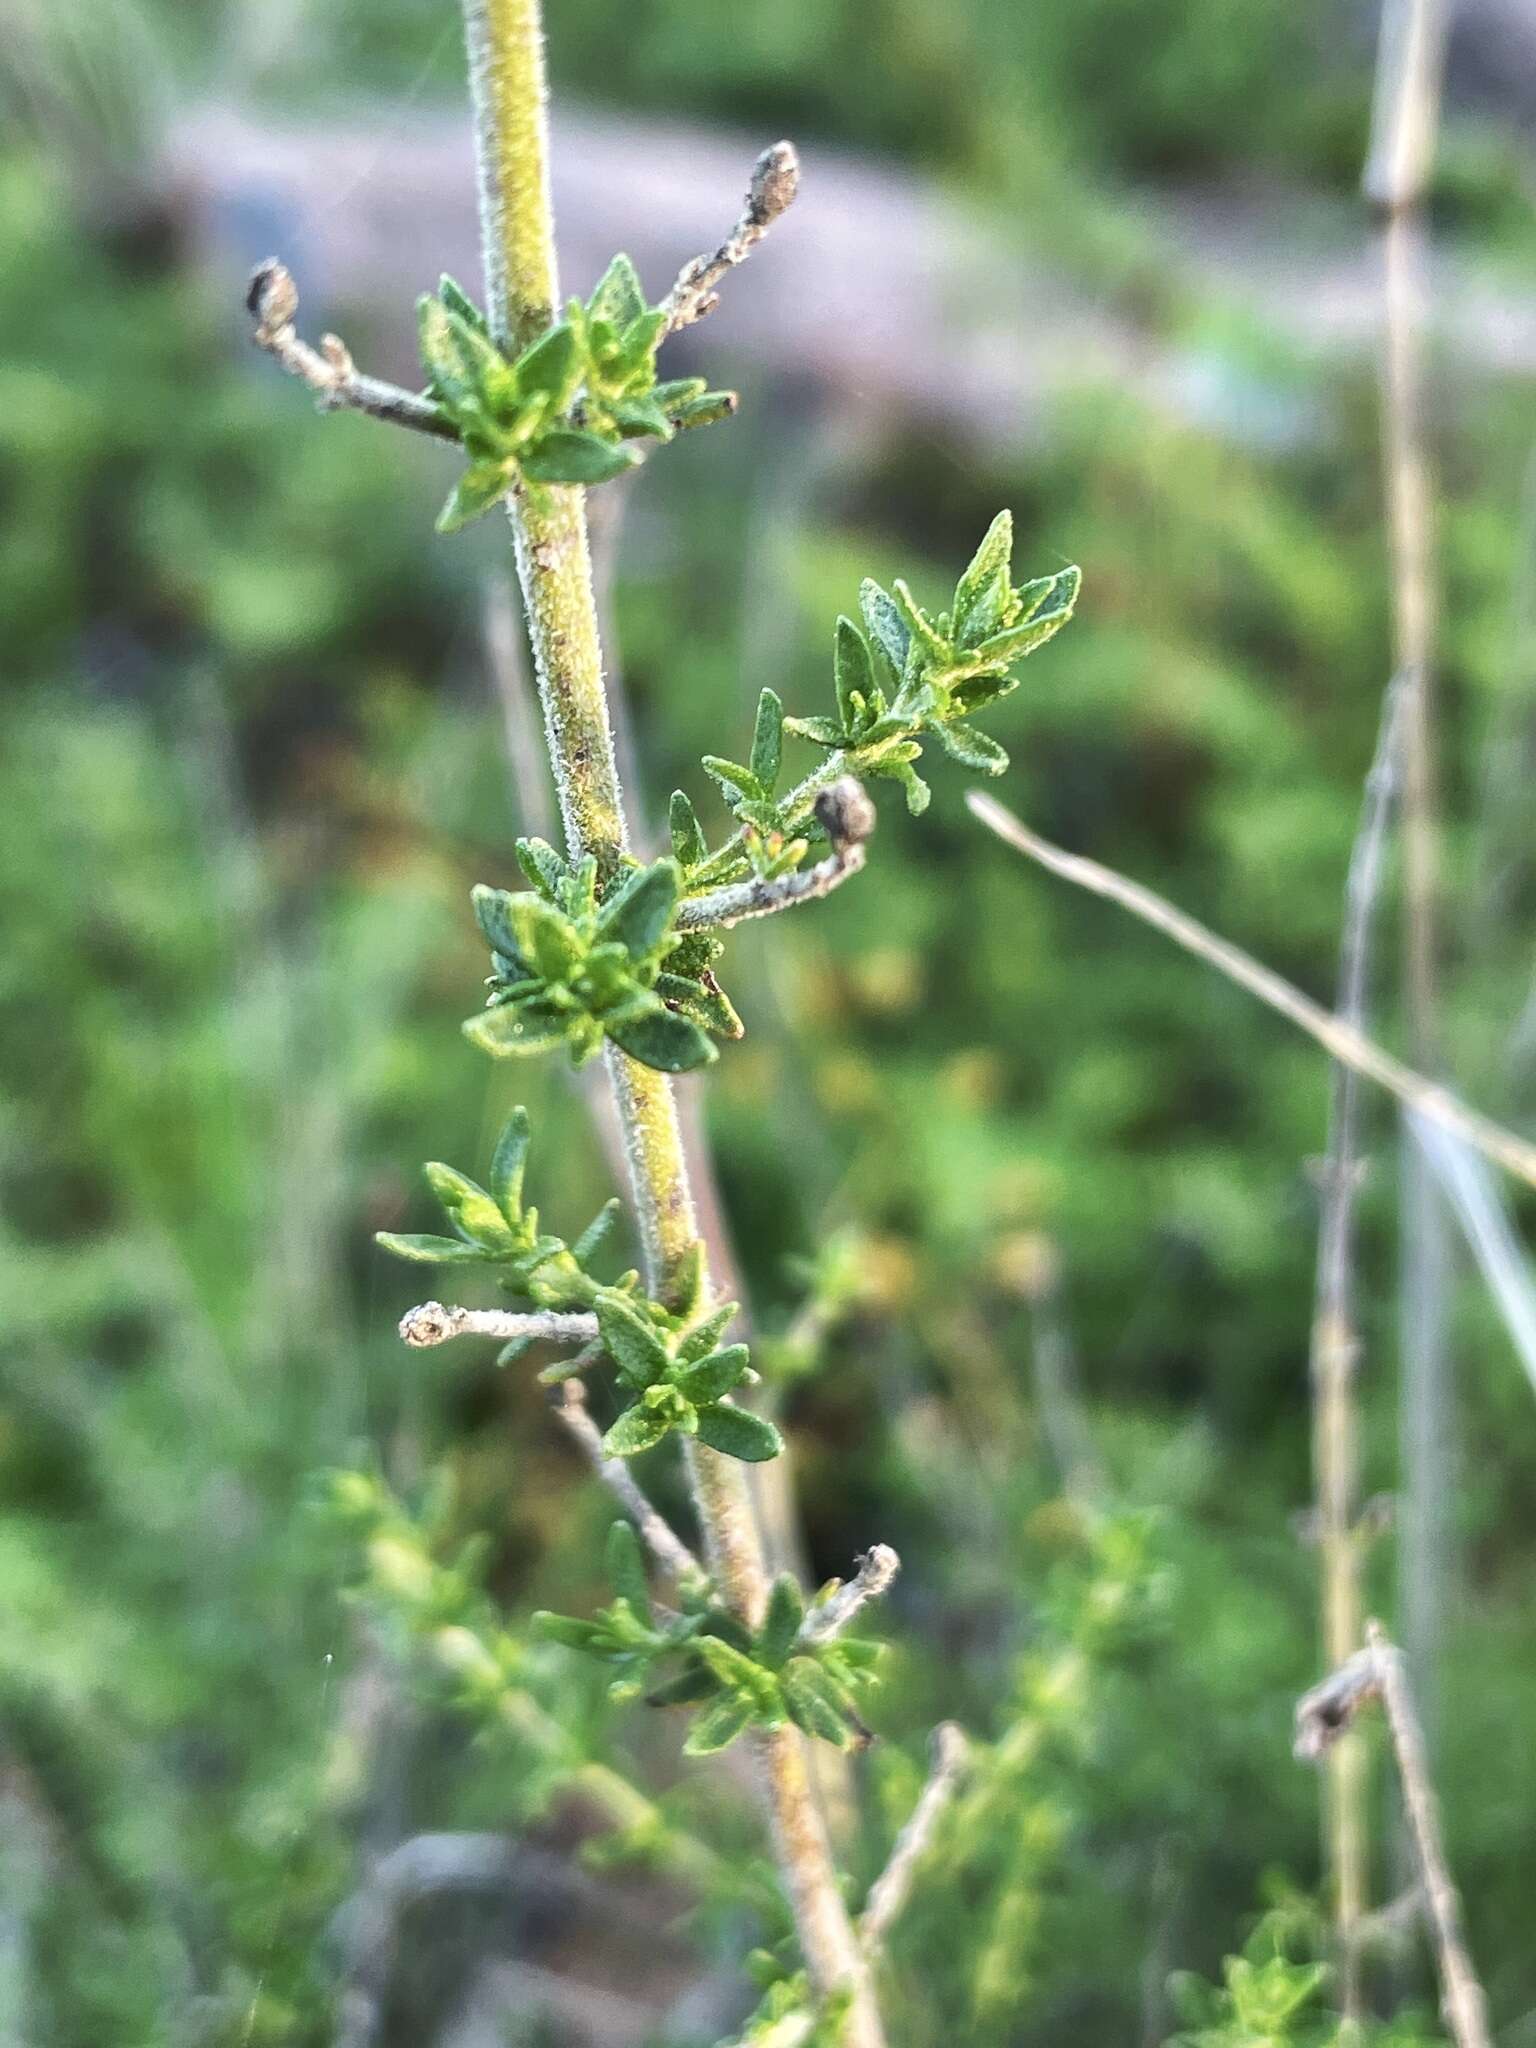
702	1653
906	675
674	1375
679	1379
434	1607
901	676
566	410
1270	1997
492	1227
572	968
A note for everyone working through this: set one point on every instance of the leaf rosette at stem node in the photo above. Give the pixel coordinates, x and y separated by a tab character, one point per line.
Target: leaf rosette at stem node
570	407
571	968
702	1654
674	1375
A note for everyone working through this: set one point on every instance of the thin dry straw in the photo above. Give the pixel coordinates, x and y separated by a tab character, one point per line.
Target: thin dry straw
1427	1098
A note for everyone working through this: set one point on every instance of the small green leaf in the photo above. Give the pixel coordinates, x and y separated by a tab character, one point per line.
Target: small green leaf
543	867
565	1628
571	455
638	912
733	1667
636	1430
718	1726
431	1251
809	1706
630	1338
481	486
714	1375
639	337
884	621
936	648
626	1570
493	915
687	1291
508	1161
469	1208
679	391
636	416
1031	598
913	787
702	411
463	365
768	741
546	938
457	300
704	1000
852	675
705	1334
822	732
1046	619
736	782
505	1034
618	296
983	592
551	368
782	1622
738	1434
689	846
662	1039
592	1237
971	748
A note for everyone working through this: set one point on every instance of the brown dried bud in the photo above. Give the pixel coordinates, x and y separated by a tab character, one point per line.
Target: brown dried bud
272	297
845	813
775	181
429	1324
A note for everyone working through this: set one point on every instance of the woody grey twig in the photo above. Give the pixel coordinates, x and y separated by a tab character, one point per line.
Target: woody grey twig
1516	1155
272	300
1324	1714
775	181
1334	1360
668	1549
433	1323
888	1894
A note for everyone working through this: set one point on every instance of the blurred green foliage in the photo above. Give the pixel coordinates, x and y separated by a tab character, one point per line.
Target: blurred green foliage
248	771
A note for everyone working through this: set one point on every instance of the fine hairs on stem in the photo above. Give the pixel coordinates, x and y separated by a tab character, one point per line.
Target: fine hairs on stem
506	54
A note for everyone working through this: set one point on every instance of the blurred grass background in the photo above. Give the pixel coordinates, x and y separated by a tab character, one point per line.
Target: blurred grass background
253	752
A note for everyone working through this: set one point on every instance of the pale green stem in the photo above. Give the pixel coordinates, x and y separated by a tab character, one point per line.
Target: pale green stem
506	62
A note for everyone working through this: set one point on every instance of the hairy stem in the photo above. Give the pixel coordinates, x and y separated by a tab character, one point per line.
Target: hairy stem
506	61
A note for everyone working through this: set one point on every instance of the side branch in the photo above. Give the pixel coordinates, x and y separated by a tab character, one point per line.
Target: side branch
889	1893
669	1550
1516	1155
722	908
432	1324
844	812
846	815
272	300
775	181
877	1571
1322	1716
